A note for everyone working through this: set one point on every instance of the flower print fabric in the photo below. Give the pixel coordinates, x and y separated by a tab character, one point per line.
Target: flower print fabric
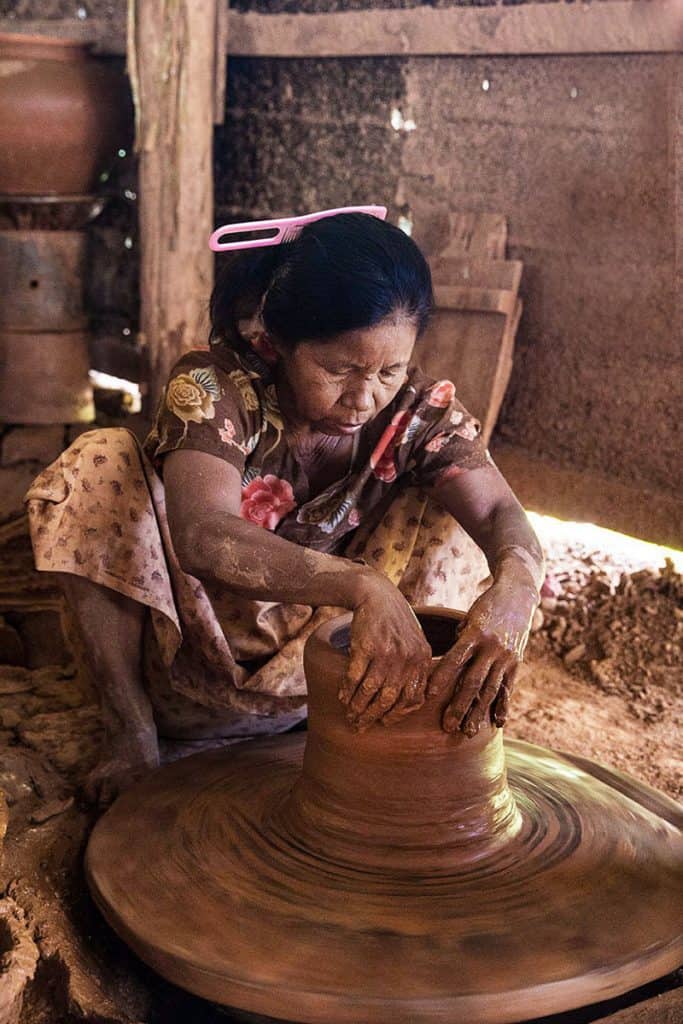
224	402
383	458
266	500
442	394
191	396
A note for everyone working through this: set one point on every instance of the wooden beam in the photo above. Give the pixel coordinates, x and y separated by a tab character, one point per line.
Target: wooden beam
171	58
620	26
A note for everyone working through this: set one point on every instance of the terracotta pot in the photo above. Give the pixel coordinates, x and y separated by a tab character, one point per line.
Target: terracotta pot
63	115
44	377
42	275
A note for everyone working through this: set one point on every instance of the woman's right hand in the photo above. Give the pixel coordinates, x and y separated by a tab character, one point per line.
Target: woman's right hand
390	659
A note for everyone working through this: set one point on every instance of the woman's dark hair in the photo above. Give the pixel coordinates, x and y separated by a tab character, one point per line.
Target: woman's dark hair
342	273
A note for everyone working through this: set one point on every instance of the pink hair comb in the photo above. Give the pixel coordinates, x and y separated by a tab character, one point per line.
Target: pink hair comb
287	228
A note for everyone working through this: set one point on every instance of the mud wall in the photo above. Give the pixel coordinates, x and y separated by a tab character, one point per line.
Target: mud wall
577	152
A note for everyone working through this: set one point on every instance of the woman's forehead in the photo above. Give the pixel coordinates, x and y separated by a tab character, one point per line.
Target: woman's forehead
385	343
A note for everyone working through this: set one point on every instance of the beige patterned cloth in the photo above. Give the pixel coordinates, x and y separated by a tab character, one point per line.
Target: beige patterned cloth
99	511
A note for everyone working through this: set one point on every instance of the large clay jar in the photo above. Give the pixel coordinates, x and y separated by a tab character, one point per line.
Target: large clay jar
63	116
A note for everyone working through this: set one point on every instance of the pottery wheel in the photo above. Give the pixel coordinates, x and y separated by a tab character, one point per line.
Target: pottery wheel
403	876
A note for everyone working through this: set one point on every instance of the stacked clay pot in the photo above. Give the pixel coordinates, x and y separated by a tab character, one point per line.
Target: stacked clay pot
63	116
44	361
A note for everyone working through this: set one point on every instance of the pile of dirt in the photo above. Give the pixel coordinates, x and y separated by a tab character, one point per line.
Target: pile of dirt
621	632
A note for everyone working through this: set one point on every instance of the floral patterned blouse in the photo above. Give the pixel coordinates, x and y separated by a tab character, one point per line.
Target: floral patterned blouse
225	403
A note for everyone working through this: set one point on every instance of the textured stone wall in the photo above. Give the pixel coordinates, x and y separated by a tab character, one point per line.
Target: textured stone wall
311	133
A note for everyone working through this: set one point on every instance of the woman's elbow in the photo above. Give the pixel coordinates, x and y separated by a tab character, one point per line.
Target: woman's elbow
188	548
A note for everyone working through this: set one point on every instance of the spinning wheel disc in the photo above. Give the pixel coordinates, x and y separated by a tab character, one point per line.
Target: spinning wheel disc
472	887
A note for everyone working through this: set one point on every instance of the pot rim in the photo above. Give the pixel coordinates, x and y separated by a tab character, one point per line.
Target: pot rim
70	44
328	632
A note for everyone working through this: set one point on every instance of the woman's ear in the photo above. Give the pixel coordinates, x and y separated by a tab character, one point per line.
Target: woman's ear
263	345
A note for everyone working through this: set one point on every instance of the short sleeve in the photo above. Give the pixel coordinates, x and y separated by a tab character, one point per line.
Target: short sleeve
205	407
449	439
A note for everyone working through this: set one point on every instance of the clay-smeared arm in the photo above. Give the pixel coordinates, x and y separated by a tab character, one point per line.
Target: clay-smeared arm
481	667
390	658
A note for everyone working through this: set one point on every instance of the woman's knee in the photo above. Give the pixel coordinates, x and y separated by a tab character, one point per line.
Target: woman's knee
79	589
96	446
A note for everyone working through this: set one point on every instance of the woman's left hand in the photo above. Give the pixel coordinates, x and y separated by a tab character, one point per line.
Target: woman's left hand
480	668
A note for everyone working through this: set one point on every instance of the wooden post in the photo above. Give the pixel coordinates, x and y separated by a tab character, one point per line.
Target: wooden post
676	149
172	64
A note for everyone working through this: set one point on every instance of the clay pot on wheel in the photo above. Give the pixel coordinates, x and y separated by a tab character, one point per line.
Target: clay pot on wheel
397	876
63	115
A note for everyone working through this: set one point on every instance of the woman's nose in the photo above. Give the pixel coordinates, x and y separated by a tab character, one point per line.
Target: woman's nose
359	397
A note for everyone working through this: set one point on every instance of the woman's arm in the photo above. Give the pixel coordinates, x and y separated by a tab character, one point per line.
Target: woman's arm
390	657
481	667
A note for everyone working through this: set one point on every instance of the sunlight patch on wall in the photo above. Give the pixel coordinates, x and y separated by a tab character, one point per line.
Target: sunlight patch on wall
132	398
633	552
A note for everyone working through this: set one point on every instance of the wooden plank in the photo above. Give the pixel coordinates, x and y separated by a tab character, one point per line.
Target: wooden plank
479	300
503	369
471	336
171	57
472	349
478	235
621	26
477	273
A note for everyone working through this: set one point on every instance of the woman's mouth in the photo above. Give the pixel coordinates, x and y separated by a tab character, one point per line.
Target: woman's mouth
349	428
334	427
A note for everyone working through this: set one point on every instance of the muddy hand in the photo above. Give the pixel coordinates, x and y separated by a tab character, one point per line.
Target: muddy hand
389	660
479	671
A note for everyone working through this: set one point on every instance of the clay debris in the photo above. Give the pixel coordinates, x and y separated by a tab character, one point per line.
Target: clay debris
622	631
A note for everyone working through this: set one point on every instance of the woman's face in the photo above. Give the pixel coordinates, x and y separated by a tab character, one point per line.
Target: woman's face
337	386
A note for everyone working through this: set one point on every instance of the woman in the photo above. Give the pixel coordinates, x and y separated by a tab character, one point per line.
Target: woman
296	467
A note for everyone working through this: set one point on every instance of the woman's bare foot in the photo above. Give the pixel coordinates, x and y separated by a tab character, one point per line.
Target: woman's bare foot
125	764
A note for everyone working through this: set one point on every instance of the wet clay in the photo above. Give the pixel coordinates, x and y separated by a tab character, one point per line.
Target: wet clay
402	874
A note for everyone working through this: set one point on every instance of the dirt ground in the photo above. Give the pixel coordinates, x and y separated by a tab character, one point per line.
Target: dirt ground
604	668
603	678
